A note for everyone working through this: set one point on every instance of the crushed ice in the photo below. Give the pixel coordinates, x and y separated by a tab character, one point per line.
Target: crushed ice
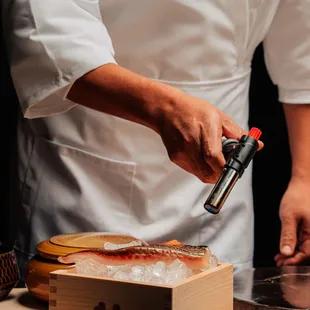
159	273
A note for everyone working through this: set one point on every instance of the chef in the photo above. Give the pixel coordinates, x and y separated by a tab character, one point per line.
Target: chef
123	107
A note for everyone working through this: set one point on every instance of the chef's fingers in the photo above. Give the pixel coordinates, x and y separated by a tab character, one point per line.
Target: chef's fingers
182	161
305	248
195	166
204	171
297	259
279	263
288	239
230	129
260	144
278	257
233	131
301	255
211	145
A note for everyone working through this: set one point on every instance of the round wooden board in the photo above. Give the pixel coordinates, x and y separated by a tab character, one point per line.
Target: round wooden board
69	243
90	239
52	251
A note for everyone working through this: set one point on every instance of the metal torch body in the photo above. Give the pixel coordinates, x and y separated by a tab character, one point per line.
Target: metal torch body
238	156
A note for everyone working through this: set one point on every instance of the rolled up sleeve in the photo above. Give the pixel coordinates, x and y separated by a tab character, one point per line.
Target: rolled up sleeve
51	44
287	51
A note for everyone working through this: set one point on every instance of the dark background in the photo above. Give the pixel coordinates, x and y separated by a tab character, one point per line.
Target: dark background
271	166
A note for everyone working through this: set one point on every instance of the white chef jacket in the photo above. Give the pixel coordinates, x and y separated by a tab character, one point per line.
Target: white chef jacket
82	170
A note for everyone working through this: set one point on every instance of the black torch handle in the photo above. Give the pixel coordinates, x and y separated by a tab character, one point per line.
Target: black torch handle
238	155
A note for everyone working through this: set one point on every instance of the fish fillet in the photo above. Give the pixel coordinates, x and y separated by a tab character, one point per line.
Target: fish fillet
173	242
195	257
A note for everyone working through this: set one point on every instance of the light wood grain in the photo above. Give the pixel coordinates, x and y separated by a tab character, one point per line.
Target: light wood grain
211	289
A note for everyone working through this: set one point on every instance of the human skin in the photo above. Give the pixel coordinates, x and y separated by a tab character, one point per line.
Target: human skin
191	129
295	207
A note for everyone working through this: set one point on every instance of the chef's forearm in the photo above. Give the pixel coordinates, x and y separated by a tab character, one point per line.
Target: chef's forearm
298	124
117	91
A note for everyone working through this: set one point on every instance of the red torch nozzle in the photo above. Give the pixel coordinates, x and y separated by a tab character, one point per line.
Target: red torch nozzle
255	133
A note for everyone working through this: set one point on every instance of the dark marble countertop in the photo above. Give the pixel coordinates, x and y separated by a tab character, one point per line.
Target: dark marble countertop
273	288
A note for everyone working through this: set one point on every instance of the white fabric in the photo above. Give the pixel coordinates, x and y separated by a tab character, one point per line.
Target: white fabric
287	47
52	45
81	170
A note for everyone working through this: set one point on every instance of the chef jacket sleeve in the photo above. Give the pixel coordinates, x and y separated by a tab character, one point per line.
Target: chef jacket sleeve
287	51
50	45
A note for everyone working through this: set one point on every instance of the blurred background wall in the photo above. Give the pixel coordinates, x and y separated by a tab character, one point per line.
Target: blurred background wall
272	164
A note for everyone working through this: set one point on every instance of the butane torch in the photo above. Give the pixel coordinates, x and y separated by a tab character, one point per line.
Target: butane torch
238	155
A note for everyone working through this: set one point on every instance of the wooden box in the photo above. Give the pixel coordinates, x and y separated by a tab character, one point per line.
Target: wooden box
212	290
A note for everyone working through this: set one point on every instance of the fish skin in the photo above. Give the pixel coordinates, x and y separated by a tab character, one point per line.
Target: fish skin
195	257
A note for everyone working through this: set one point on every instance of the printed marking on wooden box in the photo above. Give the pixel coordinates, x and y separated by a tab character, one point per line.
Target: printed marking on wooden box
53	303
53	289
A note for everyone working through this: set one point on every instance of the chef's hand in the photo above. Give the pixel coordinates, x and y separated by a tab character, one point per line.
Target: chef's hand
192	134
295	219
190	128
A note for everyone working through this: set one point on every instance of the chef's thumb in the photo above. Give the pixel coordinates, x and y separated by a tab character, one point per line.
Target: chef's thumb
288	238
230	129
233	131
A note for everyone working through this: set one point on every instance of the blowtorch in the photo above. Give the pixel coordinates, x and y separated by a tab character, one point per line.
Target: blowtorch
238	155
